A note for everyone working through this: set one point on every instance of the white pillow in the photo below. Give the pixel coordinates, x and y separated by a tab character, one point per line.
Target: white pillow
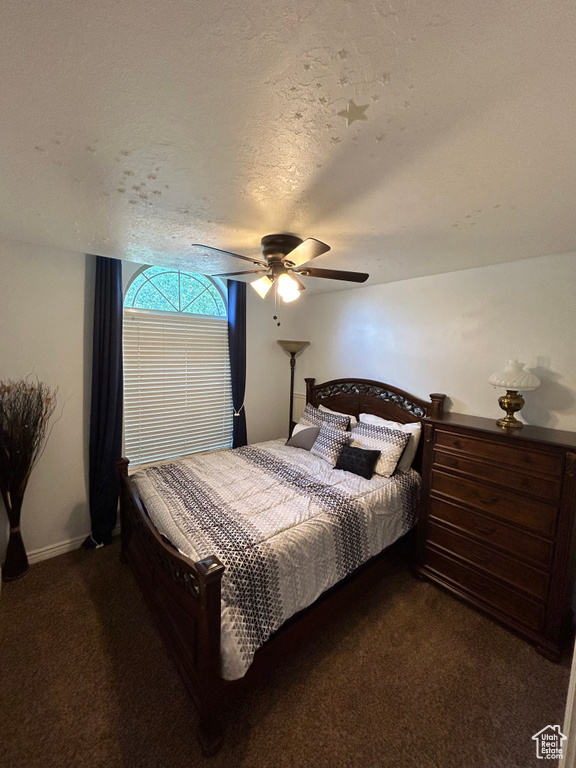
413	429
353	419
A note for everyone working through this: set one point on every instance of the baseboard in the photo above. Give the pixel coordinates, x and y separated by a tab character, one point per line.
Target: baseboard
59	549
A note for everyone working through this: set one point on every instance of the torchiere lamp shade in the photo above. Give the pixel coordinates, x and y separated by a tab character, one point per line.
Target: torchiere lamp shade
293	347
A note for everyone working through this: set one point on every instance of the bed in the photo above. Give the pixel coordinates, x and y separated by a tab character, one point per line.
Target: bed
204	612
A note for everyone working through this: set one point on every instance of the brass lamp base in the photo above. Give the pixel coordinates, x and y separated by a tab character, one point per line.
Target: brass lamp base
511	402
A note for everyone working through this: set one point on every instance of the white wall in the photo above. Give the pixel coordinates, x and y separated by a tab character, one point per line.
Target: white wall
448	333
46	299
268	367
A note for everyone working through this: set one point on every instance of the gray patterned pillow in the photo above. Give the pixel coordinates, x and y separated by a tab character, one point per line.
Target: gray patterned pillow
329	443
390	443
313	417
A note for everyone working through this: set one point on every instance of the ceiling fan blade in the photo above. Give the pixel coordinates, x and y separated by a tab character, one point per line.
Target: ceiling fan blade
306	251
243	272
246	276
334	274
219	252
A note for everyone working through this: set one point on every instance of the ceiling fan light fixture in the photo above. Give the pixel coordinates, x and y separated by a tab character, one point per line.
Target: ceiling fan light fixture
285	259
262	286
288	288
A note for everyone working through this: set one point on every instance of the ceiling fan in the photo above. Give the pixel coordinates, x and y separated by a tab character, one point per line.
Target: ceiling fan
286	258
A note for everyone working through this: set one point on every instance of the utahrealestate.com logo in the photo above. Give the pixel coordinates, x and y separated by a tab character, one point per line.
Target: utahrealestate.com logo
549	743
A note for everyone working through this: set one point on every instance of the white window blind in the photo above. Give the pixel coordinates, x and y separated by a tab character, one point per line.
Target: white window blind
177	391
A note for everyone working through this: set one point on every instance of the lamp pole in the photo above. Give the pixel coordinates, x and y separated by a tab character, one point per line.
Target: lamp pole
292	348
292	367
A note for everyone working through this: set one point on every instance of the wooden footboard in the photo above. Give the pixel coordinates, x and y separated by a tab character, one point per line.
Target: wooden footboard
184	599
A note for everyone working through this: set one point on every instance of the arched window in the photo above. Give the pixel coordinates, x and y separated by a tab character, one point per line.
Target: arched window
177	391
173	290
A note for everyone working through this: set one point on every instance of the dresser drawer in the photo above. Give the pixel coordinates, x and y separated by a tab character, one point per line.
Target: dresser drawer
515	455
491	592
531	513
544	487
490	560
492	532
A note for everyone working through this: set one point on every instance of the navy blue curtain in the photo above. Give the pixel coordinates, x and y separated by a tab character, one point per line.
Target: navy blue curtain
237	347
105	443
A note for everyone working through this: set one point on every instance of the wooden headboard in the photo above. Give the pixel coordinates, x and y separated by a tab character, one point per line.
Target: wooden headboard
356	396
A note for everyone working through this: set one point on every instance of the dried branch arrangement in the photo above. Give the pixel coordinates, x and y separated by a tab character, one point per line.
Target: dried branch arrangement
25	410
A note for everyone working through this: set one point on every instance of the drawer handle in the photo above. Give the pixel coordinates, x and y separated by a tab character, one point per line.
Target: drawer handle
490	500
487	531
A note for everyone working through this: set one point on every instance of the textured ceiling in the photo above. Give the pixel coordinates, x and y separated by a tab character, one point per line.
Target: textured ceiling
413	137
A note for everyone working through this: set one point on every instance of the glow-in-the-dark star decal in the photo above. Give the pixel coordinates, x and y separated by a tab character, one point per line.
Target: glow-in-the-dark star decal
354	112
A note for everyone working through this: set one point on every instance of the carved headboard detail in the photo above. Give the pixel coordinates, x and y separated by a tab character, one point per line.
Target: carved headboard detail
355	396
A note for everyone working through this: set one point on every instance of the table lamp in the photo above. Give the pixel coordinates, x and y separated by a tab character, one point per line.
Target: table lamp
512	378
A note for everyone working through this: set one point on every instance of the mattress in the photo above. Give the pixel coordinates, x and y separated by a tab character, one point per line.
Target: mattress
285	525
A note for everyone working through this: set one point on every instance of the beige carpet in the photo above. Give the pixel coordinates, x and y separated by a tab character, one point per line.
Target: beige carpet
410	678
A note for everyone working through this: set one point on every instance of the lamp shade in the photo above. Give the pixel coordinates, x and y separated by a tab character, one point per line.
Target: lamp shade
288	287
262	286
515	377
293	347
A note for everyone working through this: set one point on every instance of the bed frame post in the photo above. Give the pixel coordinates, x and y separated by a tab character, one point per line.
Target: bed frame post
194	589
437	407
210	730
309	386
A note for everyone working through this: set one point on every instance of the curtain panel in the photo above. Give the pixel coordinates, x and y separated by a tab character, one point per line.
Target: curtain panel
237	347
105	443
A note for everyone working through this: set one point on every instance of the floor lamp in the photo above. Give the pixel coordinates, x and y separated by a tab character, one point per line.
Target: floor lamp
292	348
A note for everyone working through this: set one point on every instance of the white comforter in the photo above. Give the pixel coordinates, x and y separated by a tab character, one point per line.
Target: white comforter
284	523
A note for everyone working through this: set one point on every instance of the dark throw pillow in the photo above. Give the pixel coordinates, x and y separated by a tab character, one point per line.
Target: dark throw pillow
357	460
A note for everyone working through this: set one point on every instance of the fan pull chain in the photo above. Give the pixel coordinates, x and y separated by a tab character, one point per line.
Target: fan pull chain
275	316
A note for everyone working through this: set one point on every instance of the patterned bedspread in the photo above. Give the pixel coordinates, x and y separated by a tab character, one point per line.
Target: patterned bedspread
286	526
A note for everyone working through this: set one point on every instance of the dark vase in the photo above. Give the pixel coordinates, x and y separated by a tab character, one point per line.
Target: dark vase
16	563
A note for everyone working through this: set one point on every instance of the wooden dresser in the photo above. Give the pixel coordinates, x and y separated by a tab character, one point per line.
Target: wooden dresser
496	524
